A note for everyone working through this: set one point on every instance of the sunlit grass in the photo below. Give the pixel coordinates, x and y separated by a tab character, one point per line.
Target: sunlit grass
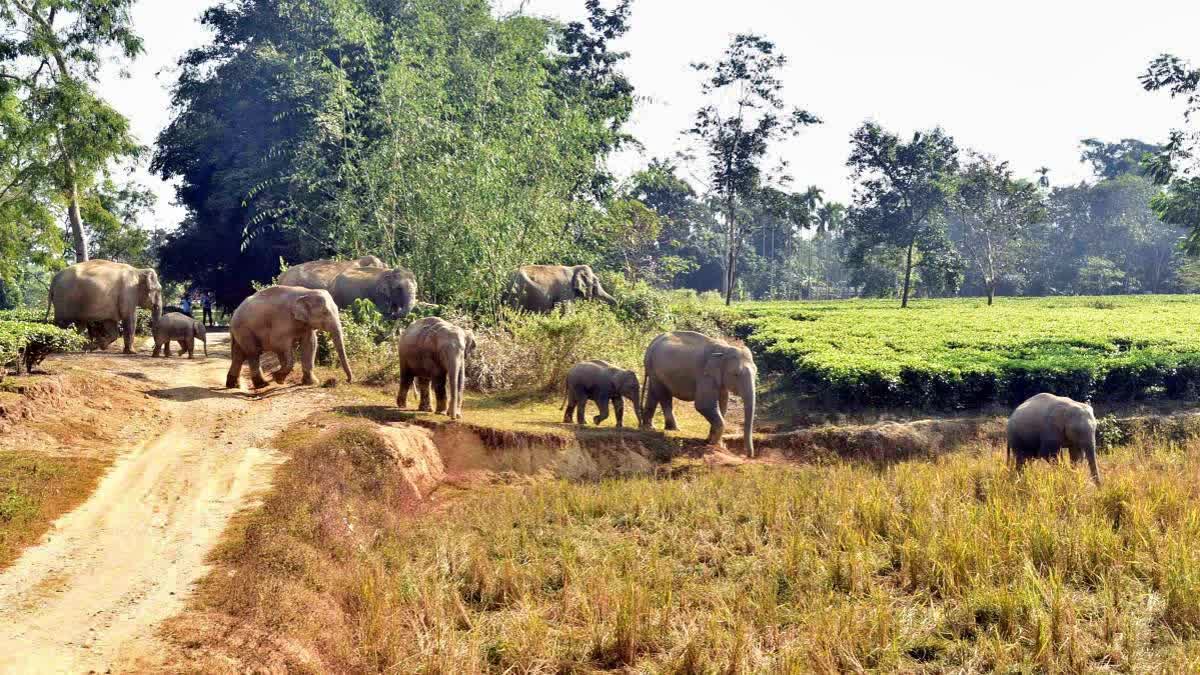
34	490
951	565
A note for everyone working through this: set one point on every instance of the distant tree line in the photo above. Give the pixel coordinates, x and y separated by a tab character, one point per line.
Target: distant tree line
459	142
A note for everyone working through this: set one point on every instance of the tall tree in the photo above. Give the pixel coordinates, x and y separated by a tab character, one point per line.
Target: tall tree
994	209
52	56
430	133
1177	165
902	190
1110	160
745	115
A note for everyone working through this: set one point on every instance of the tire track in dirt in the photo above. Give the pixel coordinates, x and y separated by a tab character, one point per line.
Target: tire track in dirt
88	597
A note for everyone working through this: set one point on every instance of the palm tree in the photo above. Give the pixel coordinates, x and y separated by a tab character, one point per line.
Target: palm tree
830	217
1044	179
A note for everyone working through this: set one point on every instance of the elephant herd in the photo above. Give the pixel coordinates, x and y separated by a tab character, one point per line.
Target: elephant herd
104	296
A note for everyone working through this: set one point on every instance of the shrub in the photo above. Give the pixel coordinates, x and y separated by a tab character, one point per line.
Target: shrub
28	343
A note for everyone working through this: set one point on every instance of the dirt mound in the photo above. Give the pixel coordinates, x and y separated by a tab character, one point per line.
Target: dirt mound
884	441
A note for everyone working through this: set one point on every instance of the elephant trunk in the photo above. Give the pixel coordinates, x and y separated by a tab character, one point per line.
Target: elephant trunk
204	341
1090	451
340	346
746	385
603	295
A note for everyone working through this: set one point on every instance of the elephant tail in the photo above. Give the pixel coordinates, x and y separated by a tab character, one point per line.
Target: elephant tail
49	301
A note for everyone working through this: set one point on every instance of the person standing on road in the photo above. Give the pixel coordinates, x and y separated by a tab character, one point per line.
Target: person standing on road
185	305
208	301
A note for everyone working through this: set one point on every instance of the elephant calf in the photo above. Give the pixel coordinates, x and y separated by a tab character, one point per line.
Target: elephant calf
432	349
181	328
602	382
1042	425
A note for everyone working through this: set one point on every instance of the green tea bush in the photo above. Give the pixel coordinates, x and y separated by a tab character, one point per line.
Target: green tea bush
962	354
25	343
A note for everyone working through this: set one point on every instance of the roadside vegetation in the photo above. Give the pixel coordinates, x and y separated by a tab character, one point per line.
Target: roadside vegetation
36	488
25	340
954	564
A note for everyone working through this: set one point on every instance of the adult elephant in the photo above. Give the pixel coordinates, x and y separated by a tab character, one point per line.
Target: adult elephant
394	291
1044	423
434	350
540	288
272	320
106	292
693	367
321	273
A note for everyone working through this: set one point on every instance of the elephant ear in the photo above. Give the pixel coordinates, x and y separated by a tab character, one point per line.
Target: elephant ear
714	365
307	308
579	281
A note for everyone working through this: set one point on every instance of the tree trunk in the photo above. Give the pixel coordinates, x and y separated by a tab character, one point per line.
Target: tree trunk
78	236
730	261
907	274
991	291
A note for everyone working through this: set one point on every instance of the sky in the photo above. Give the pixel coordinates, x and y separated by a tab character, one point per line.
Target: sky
1022	80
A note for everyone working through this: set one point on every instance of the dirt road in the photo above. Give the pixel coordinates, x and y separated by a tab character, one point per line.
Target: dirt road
89	596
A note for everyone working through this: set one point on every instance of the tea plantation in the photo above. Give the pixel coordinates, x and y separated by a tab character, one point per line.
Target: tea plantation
960	353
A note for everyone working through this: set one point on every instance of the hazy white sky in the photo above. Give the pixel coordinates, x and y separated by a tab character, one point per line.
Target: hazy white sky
1022	79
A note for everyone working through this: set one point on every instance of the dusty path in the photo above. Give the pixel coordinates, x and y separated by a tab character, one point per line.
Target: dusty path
89	596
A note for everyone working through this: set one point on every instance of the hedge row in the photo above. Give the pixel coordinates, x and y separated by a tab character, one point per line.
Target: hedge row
27	343
956	354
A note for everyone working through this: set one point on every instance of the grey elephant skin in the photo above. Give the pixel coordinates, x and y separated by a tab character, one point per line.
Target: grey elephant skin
319	274
432	350
181	328
106	292
600	382
541	288
693	367
393	291
1041	426
273	320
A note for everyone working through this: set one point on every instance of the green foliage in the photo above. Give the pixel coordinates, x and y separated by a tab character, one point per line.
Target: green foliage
25	341
902	194
745	116
430	133
961	354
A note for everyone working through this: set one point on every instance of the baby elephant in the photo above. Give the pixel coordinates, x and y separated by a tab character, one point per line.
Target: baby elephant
1041	426
181	328
432	349
600	381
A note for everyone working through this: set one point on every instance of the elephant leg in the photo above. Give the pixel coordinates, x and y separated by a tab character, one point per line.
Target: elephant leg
308	356
406	382
724	402
708	405
256	376
668	408
570	411
157	347
650	404
619	411
287	361
185	346
128	330
581	410
167	349
439	393
236	359
602	404
423	392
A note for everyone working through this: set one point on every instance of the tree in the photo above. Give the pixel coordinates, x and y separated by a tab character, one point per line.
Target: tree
994	210
50	58
1110	160
430	133
1176	165
745	115
901	193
